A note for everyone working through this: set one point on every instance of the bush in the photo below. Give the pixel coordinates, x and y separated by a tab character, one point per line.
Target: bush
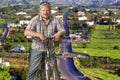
89	63
4	75
117	71
116	47
97	64
20	72
85	62
84	45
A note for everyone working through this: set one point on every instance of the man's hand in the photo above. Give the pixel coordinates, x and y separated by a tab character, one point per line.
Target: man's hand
43	38
56	37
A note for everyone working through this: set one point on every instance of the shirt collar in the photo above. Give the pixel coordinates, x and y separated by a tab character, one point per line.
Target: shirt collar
40	18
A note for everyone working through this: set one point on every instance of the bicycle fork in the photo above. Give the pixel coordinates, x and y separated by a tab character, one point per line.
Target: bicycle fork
47	66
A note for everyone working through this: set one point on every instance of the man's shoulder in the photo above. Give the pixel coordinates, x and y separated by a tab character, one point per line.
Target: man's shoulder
35	17
55	18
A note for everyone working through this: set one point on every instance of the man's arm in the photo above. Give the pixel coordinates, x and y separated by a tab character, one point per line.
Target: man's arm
35	34
59	34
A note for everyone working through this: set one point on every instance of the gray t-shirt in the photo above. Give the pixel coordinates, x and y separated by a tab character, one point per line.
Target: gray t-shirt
37	24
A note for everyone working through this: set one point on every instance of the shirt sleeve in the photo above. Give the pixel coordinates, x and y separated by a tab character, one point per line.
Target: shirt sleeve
59	24
32	24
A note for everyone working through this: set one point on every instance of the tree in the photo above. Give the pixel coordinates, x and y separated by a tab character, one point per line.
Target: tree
4	75
111	20
75	9
7	46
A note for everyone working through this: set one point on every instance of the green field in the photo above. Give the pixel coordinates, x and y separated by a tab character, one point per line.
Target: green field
99	74
104	38
101	44
99	52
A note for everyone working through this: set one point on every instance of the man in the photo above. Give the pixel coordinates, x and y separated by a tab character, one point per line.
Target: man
40	27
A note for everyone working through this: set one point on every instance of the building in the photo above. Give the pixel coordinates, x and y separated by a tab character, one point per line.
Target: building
23	22
4	63
83	18
21	13
80	13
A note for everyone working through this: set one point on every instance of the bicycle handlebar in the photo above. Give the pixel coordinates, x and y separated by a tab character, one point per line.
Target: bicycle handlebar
50	37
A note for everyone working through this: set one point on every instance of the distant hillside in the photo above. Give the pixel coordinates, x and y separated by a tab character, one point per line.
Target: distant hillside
69	2
116	4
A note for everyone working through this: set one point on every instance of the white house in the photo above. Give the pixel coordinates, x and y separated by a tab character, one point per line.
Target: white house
14	25
53	11
27	17
22	22
21	13
4	63
59	16
90	22
83	18
0	60
80	13
118	21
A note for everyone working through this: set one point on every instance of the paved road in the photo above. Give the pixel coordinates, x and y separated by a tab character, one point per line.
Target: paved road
69	71
5	34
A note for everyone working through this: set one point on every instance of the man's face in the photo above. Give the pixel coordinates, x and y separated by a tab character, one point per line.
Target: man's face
45	12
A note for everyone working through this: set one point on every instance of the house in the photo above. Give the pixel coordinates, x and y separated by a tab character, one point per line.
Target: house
83	18
80	13
14	25
21	13
18	49
0	60
59	16
22	22
4	63
53	11
87	10
105	12
27	17
118	21
90	22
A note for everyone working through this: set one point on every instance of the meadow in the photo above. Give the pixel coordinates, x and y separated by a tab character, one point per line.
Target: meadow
102	43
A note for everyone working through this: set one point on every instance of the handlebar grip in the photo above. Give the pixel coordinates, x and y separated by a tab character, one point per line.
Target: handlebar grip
50	37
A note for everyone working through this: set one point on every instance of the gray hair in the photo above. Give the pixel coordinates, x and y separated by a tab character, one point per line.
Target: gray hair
44	4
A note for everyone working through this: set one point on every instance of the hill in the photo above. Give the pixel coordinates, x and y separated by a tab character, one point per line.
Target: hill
99	3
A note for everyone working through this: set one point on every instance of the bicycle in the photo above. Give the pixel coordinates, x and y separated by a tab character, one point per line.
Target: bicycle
51	62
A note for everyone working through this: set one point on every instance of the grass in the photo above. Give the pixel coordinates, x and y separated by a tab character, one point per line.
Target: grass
99	52
102	36
97	73
2	21
100	74
101	44
25	44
